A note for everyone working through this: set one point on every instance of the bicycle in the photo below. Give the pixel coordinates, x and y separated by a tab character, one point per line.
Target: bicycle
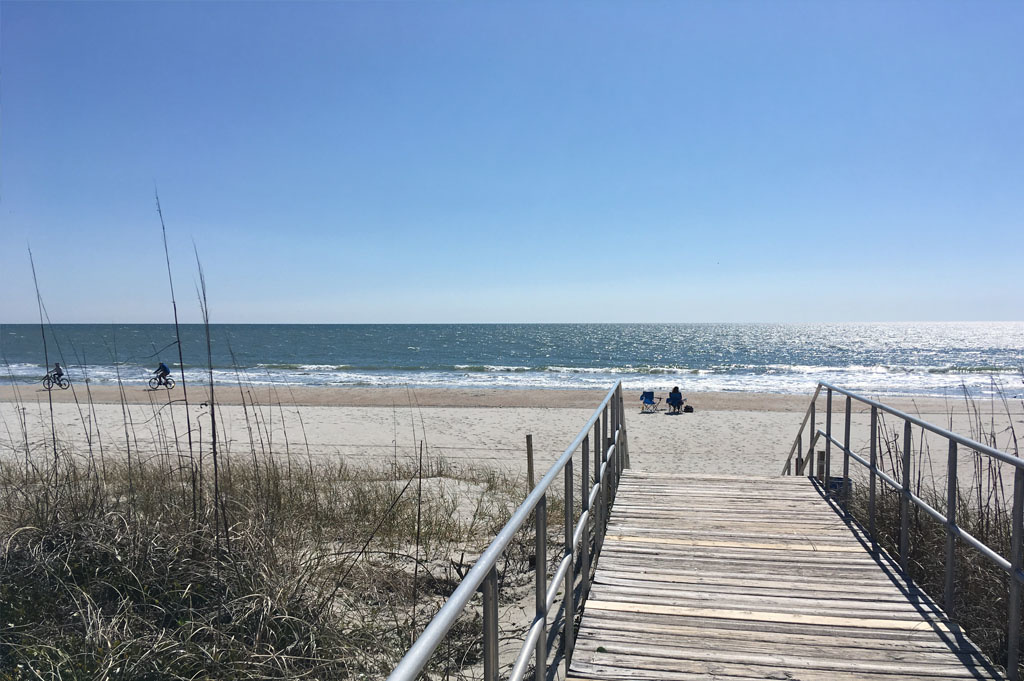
50	380
155	383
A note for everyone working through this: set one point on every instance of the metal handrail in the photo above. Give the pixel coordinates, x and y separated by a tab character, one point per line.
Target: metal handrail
937	515
787	468
610	458
948	434
1012	565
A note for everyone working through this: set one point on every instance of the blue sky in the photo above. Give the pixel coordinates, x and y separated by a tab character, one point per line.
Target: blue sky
483	162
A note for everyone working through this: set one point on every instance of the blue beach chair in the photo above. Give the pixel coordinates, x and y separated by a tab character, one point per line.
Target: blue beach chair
675	402
648	402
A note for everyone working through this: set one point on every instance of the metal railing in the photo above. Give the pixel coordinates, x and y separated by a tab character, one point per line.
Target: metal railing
611	456
1012	565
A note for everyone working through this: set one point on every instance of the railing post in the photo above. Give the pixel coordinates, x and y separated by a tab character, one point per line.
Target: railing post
846	458
613	468
541	561
568	625
810	437
951	480
490	598
616	437
529	462
615	416
873	476
600	490
1013	630
604	496
905	501
618	402
585	544
602	502
622	427
827	468
799	453
604	431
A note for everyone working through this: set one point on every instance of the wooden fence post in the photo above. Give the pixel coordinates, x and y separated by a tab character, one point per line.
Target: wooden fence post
529	462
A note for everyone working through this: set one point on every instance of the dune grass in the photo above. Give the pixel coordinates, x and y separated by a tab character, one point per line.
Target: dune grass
175	555
984	502
142	567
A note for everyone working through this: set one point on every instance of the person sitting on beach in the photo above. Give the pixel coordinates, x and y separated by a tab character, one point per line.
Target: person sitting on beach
675	401
162	372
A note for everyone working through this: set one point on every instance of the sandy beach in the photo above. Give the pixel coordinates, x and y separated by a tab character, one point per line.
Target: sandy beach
728	433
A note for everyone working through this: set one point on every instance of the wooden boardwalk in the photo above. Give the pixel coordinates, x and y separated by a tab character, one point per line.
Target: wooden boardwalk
708	577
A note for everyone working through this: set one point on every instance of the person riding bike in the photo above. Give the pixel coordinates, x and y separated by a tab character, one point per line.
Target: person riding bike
56	377
162	372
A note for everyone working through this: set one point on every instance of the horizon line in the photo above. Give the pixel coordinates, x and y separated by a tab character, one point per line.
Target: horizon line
521	323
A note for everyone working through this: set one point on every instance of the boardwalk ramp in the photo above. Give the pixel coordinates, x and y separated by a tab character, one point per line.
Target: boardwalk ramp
704	577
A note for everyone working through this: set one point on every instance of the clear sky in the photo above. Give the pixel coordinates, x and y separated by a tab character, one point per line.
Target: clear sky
519	162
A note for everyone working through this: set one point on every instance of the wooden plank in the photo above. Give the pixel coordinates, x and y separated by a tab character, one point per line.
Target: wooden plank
916	624
711	577
766	583
600	624
785	546
653	656
852	563
716	628
816	601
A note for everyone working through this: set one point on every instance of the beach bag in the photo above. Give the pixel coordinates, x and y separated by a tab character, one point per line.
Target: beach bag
688	409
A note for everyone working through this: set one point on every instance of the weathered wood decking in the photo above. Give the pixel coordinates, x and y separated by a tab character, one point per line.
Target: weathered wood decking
755	578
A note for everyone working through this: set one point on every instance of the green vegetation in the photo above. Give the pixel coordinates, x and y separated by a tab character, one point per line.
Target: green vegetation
165	567
183	559
984	501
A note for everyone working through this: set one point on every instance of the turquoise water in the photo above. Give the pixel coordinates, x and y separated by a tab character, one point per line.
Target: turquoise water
915	359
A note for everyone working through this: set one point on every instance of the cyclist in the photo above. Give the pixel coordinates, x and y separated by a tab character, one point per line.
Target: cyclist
56	372
162	372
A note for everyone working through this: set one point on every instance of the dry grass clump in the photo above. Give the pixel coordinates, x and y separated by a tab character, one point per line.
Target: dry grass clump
111	598
180	559
124	571
984	502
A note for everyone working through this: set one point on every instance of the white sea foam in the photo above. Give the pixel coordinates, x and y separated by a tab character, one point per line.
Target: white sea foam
775	378
912	359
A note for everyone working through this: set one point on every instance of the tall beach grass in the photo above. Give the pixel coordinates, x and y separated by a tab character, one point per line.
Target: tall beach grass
173	549
984	496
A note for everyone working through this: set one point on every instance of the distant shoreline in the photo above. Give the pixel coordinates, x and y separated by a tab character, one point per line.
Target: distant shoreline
228	394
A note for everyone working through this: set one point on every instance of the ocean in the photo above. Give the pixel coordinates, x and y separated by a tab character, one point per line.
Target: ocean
938	359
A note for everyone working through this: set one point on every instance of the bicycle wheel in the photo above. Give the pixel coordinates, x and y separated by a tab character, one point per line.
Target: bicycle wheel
64	383
154	383
169	382
47	383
